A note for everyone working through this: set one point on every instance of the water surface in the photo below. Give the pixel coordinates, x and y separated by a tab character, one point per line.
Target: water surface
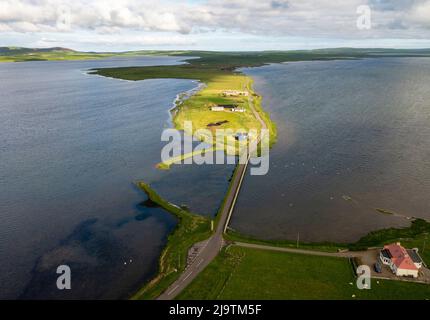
71	146
354	136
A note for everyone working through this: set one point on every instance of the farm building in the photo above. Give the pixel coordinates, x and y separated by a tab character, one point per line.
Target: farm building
400	261
230	107
235	93
217	108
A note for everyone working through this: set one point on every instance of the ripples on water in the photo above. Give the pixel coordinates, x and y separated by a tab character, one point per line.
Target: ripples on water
71	147
353	136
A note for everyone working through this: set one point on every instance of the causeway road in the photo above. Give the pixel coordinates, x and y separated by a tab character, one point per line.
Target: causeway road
211	247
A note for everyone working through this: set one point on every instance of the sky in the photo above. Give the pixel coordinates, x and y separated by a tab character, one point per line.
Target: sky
234	25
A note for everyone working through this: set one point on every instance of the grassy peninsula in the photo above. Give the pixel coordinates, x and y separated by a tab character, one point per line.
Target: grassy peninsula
220	72
218	81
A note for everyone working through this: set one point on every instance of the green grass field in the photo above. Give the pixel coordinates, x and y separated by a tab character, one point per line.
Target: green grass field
250	274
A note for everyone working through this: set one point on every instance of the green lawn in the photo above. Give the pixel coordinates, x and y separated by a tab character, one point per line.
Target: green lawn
243	273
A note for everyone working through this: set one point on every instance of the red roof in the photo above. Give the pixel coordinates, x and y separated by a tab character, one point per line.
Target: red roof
400	257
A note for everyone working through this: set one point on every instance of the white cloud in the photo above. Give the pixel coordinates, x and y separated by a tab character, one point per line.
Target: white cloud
44	15
420	14
334	19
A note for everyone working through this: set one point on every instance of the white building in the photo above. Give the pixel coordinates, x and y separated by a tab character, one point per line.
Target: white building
400	261
235	93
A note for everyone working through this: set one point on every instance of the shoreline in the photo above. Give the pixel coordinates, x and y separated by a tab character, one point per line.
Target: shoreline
163	279
415	229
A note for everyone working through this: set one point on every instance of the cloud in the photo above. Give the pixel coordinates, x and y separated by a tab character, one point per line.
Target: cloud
419	15
308	18
61	15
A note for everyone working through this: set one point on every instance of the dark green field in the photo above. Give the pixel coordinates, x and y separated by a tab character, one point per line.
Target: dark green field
250	274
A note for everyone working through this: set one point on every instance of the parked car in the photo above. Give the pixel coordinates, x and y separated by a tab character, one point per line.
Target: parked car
377	267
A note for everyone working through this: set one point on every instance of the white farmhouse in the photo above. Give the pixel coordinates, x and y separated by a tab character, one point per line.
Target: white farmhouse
235	93
217	108
399	260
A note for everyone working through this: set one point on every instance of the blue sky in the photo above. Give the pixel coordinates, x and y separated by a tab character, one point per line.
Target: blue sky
117	25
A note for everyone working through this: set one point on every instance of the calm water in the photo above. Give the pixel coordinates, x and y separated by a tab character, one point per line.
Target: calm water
353	136
71	146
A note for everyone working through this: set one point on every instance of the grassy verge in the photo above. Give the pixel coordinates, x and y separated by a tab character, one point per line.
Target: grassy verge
323	246
249	274
414	236
191	229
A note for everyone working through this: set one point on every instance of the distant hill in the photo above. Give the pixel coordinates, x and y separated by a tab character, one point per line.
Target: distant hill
228	59
20	50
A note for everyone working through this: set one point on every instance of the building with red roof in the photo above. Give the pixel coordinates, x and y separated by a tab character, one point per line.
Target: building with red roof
400	261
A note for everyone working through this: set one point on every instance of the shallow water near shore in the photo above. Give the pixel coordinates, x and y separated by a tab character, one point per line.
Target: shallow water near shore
71	146
354	137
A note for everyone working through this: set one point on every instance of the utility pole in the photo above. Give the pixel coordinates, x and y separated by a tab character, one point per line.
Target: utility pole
298	239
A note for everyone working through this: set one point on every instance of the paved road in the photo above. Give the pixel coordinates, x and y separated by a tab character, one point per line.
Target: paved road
214	244
301	251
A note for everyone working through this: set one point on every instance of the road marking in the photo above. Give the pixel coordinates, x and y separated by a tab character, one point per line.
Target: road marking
187	276
200	262
173	290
